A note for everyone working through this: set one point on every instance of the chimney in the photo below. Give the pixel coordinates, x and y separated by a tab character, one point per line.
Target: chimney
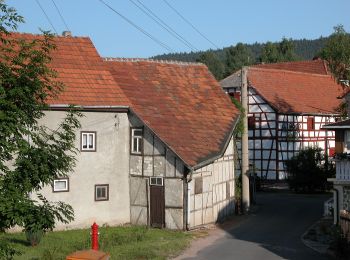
67	34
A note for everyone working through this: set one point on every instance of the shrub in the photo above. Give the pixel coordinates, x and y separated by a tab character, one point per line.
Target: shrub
308	171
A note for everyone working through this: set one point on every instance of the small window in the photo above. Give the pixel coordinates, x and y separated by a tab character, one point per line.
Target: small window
136	140
310	123
101	192
61	185
235	95
88	141
251	122
198	185
156	181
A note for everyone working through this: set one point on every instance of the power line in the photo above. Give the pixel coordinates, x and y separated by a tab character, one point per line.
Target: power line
162	24
42	9
58	10
188	22
138	28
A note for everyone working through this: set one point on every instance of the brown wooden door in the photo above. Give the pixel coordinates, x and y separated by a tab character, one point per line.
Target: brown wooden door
157	206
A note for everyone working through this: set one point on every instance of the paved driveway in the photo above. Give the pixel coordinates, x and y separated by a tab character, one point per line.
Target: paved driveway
273	232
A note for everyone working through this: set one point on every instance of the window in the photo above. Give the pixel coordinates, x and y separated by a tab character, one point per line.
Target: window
198	185
88	141
310	123
136	140
101	192
61	185
156	181
251	122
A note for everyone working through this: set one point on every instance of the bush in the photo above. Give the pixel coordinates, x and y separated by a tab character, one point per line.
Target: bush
308	171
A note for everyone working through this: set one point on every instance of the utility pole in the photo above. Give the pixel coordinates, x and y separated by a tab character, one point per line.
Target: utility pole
245	153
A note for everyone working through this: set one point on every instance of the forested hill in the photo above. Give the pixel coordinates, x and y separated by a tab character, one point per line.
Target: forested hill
304	49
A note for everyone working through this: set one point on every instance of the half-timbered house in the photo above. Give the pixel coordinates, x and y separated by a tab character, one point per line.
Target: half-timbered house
288	103
156	140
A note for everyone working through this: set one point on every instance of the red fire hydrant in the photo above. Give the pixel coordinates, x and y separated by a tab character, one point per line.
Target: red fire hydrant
94	236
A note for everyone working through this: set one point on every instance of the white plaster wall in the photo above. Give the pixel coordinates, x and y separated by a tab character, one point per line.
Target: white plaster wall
108	165
212	204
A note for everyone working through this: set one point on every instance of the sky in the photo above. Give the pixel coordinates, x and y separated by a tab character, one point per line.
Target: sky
222	22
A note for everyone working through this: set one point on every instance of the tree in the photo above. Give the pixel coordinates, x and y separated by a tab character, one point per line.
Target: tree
213	63
337	53
237	57
278	52
31	155
308	170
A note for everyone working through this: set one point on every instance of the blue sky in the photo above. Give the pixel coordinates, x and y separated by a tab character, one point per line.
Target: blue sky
224	22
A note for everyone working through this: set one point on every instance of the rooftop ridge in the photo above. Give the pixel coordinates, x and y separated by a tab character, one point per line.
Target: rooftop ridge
185	63
290	71
41	35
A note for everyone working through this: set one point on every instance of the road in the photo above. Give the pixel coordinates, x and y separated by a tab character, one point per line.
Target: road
272	232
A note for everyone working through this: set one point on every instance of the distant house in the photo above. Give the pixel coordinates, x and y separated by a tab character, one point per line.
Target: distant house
288	104
156	142
341	183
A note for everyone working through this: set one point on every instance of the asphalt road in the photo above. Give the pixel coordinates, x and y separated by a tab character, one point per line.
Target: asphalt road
272	232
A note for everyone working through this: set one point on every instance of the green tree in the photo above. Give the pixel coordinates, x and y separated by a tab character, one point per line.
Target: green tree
278	52
337	53
308	170
213	63
237	57
31	155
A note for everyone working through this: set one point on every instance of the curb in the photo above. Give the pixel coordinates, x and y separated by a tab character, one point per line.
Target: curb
316	246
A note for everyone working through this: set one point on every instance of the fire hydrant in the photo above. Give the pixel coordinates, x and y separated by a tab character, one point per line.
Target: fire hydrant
94	236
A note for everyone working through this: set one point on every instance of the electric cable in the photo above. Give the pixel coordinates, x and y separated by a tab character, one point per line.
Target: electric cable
162	24
42	9
189	23
58	10
138	27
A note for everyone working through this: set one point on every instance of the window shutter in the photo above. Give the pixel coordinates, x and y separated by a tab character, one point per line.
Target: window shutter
339	141
310	123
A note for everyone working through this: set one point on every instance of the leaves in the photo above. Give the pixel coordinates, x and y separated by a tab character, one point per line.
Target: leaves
31	155
337	53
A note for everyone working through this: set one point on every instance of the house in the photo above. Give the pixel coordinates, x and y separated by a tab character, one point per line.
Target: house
341	183
156	142
288	103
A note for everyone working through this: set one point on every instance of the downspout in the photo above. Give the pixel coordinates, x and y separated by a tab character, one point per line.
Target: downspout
186	198
336	210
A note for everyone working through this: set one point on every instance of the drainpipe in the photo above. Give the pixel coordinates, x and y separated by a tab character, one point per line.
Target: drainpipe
336	209
245	153
186	200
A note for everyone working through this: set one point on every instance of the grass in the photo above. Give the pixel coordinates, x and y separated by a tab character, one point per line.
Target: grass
131	242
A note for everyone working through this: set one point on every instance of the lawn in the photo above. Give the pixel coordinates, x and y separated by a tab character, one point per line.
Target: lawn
131	242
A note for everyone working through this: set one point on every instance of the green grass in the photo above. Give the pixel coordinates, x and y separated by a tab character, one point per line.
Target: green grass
132	242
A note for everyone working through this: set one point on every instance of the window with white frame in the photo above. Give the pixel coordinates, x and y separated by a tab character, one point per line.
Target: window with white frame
136	140
101	192
156	181
88	141
61	185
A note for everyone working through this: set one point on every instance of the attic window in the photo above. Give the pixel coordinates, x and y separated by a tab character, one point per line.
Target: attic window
136	140
310	123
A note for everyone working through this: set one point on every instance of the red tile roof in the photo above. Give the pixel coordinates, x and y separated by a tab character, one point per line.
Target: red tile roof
82	70
181	102
296	92
316	66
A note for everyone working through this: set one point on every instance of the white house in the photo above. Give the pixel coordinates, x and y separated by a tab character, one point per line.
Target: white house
288	105
156	142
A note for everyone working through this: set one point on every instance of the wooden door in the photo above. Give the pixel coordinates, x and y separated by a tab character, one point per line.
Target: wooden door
157	206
